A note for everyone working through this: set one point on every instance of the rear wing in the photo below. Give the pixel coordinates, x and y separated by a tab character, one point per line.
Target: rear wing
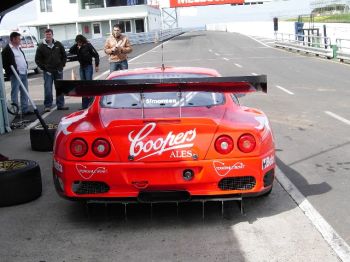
235	84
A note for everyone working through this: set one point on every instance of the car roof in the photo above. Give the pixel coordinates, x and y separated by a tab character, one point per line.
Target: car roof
8	32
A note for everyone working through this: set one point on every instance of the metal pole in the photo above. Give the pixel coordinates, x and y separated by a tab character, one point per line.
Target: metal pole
42	122
325	36
5	123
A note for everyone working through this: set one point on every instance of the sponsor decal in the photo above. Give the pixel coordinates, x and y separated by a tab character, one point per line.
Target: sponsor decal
160	101
87	172
263	123
67	121
58	166
268	161
223	169
141	147
181	154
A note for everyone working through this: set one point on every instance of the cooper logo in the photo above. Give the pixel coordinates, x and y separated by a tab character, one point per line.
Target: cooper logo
222	169
86	172
139	145
267	162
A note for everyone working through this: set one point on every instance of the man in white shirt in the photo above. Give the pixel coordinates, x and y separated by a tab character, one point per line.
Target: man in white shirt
13	55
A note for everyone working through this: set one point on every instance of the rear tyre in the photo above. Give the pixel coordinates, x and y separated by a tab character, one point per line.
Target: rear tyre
20	181
39	140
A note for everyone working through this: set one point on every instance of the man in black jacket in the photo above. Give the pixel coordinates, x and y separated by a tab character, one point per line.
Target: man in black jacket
51	58
13	55
85	52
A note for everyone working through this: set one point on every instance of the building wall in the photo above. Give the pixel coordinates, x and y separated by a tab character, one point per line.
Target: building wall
119	12
61	9
65	18
265	29
105	28
154	22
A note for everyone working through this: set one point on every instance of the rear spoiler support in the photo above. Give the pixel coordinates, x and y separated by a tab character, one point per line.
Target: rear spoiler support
180	107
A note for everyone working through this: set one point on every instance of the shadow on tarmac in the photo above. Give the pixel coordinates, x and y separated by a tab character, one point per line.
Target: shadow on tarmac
303	185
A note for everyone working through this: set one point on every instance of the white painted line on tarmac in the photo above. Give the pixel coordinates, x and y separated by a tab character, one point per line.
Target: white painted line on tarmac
32	79
101	75
340	247
285	90
342	119
254	74
36	122
217	54
226	59
259	41
238	65
210	50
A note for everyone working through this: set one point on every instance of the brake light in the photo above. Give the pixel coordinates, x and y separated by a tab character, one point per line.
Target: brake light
224	144
78	147
101	147
246	143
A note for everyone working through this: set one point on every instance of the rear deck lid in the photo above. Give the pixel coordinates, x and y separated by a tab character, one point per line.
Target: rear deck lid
162	140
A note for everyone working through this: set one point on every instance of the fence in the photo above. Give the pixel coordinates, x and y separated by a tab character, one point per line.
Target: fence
318	45
343	46
142	38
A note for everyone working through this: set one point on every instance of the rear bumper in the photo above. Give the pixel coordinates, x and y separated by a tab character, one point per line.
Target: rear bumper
220	180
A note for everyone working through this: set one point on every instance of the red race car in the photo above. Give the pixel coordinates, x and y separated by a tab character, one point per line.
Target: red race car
164	134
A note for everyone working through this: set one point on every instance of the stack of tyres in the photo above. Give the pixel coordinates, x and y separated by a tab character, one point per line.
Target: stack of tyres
20	181
39	140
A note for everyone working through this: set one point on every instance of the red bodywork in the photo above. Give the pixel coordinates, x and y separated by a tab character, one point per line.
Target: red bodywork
160	151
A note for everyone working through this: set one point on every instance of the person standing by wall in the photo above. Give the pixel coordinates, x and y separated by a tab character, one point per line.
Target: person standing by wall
85	52
51	58
13	55
117	46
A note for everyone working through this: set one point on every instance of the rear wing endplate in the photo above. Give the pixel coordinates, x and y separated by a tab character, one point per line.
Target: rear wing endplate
233	84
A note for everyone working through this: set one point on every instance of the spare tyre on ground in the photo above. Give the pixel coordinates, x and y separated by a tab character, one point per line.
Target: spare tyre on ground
20	181
39	140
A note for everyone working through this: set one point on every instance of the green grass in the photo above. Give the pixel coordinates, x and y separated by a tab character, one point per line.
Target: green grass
339	18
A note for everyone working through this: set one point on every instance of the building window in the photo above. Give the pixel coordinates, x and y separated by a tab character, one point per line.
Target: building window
111	3
96	28
140	26
45	6
126	26
91	4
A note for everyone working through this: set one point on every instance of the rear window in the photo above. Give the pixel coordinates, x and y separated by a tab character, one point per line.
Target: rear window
26	41
29	41
162	99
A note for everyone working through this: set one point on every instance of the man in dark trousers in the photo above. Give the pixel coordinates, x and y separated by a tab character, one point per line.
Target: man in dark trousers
13	55
51	58
85	52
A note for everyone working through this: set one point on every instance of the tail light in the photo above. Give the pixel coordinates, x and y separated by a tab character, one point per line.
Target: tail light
246	143
101	147
78	147
224	144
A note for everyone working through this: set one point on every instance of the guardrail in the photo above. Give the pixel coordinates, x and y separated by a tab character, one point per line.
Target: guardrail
318	45
141	38
343	52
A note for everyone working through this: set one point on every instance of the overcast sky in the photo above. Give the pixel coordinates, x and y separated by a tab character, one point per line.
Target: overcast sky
195	16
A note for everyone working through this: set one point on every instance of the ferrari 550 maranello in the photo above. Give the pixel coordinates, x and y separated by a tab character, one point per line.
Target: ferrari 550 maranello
164	134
